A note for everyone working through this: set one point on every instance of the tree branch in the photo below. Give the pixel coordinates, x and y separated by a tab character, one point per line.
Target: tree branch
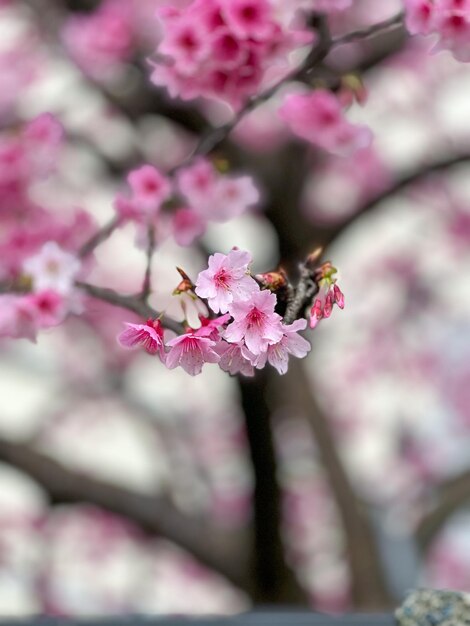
273	581
219	550
369	589
99	237
326	235
132	303
451	495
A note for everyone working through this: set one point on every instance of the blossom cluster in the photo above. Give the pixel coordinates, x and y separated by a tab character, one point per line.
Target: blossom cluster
247	332
224	49
448	19
51	275
196	196
102	40
38	248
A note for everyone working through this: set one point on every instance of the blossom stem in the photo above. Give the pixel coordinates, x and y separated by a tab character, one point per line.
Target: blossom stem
132	303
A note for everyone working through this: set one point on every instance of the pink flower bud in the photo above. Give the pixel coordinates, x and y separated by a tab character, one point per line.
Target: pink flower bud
339	296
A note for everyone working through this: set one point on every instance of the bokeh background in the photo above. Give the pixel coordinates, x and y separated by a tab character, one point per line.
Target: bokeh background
339	486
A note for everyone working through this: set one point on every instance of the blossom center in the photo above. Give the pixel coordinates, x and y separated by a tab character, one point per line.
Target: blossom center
222	278
255	317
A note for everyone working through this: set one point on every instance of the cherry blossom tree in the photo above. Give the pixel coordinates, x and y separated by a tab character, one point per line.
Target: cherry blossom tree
177	179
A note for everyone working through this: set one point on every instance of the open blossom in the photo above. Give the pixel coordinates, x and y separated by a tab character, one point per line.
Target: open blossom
226	280
149	190
291	343
234	359
190	351
448	19
149	186
48	308
419	16
148	335
255	322
16	318
197	181
215	196
318	118
211	328
22	316
187	226
52	268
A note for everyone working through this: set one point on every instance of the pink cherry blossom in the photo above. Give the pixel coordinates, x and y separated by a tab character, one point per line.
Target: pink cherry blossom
448	19
291	343
52	268
226	280
191	351
197	181
232	196
187	226
255	322
452	23
186	43
99	41
148	335
224	49
150	187
17	319
249	18
47	307
211	328
215	196
233	358
419	16
317	117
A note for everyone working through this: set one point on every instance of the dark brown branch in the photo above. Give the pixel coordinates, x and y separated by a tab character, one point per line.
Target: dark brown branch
273	581
214	548
303	293
450	496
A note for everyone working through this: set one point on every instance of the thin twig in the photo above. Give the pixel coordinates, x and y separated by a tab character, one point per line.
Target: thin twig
327	235
371	31
99	237
132	303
